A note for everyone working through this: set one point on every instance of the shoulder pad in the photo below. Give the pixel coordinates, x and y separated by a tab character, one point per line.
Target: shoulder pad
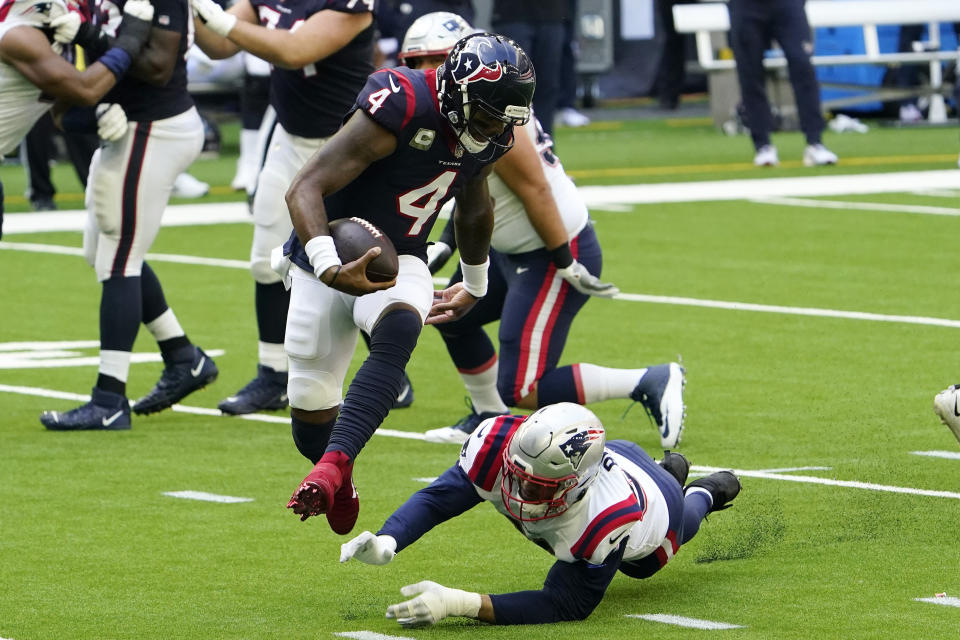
389	98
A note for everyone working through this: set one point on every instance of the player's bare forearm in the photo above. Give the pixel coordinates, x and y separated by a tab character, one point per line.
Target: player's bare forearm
215	46
473	221
157	59
521	170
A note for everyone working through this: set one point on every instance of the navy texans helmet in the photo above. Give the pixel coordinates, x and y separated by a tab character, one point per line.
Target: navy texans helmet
489	74
551	460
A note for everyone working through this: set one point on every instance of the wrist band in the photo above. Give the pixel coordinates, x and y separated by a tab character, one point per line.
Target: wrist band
475	277
562	257
322	254
117	60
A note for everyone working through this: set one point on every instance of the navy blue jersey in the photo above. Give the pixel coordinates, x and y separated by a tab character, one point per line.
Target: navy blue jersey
311	102
144	102
403	192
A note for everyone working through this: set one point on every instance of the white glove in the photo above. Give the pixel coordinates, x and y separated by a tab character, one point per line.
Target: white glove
212	15
434	603
111	122
65	27
437	255
584	282
139	9
369	549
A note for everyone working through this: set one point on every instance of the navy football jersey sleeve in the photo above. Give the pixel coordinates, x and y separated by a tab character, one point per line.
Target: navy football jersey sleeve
388	98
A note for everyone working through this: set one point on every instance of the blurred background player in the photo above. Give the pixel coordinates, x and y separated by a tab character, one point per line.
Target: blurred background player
540	30
752	25
321	54
544	261
31	66
128	189
599	507
414	140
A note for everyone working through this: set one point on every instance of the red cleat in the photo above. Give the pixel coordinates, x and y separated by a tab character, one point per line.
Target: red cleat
329	489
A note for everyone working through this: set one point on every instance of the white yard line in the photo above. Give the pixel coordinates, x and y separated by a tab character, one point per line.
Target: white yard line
370	635
180	215
898	182
943	600
950	455
200	411
34	247
798	311
203	496
630	297
860	206
851	484
681	621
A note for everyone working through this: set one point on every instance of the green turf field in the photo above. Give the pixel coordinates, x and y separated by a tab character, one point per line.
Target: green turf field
841	526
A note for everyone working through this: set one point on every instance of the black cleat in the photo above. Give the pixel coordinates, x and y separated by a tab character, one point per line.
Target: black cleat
722	486
460	432
267	391
405	397
676	464
177	381
106	411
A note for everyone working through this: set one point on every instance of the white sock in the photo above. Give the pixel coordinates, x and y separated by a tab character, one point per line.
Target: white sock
482	388
165	326
272	355
604	383
115	364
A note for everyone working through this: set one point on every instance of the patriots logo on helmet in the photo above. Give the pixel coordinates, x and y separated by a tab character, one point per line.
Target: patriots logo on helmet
578	444
470	68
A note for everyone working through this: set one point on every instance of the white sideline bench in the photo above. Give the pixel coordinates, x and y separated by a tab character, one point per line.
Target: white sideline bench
708	19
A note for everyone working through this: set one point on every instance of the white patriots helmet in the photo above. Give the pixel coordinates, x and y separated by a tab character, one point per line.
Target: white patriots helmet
433	34
551	460
36	13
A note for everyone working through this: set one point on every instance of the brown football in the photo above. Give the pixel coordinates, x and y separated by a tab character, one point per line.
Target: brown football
353	237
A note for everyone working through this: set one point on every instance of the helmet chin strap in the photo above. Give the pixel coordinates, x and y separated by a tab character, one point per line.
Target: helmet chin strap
471	144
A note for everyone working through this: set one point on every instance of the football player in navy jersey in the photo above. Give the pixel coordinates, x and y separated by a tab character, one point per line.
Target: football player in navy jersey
543	260
414	140
129	185
599	507
322	53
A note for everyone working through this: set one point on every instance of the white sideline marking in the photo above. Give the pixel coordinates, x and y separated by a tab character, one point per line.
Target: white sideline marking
680	621
64	344
952	455
425	480
201	411
370	635
860	206
898	182
786	469
853	484
632	297
948	601
178	215
798	311
34	247
205	497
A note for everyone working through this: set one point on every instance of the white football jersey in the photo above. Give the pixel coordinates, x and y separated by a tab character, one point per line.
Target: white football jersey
20	105
622	501
512	231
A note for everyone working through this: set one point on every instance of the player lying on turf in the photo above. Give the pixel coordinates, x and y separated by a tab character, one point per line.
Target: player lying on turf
599	507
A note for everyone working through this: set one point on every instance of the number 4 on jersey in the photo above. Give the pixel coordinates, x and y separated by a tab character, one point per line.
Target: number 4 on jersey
412	205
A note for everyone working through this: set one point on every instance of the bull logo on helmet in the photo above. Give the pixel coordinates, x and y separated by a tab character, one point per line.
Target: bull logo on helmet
470	68
578	444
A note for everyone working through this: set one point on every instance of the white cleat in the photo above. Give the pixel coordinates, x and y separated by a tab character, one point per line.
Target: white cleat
660	391
766	156
570	117
186	186
947	405
816	155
